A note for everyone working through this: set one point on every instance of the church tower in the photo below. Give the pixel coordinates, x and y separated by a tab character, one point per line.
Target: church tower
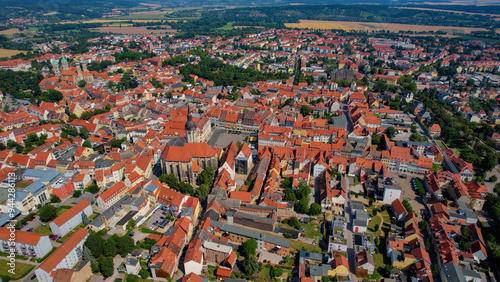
190	127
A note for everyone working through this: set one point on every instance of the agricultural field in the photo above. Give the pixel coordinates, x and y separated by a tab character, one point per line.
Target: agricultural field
6	53
497	17
10	31
372	26
132	30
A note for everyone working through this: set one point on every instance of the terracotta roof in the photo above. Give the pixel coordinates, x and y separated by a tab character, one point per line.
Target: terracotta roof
22	237
76	209
62	251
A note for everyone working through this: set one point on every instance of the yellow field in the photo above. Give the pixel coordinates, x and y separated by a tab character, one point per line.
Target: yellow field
108	21
5	53
10	31
318	25
372	26
51	13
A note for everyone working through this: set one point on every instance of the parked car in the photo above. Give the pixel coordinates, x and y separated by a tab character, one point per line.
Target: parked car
33	277
131	234
31	219
97	196
31	229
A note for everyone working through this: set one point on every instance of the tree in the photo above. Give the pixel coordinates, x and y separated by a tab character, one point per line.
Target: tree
289	195
93	188
250	265
305	110
202	191
303	205
77	194
87	144
170	179
47	213
250	246
207	176
287	182
95	244
275	271
131	224
303	190
435	269
55	199
390	131
82	83
85	219
106	266
294	222
144	273
375	138
124	245
493	178
315	209
87	254
109	248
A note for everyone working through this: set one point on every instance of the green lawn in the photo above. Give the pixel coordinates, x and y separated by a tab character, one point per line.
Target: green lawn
264	273
61	211
375	220
299	245
379	259
20	271
228	26
312	229
43	230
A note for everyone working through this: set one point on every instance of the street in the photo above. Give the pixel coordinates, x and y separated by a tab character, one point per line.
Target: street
351	256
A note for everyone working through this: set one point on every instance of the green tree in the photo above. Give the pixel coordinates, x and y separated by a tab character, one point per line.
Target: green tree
106	266
170	179
77	194
303	190
289	195
435	269
375	138
294	222
202	191
390	131
47	213
144	273
95	244
303	205
131	224
287	182
82	83
207	176
305	110
93	188
315	209
85	219
250	247
275	271
55	199
493	178
87	254
250	265
124	245
109	248
87	144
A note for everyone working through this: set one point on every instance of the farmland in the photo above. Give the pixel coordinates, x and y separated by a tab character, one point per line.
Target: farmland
373	27
497	17
5	53
132	30
10	31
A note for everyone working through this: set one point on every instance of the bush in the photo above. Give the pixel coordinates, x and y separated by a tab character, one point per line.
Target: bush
493	178
77	193
287	235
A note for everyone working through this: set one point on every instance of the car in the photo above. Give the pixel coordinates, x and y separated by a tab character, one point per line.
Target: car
31	230
162	217
31	219
97	196
302	229
155	223
33	277
131	234
105	278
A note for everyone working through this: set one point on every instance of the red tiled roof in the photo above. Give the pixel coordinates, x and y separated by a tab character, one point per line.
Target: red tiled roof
62	251
63	218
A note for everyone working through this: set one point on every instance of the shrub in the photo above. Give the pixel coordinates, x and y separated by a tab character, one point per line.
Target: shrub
493	178
287	235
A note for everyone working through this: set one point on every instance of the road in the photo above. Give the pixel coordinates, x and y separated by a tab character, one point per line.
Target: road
351	258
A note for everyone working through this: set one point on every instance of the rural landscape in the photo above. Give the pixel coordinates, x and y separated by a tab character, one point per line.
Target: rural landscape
203	140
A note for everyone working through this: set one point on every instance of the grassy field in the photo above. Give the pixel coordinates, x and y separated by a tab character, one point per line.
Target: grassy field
10	31
132	30
497	17
5	53
61	211
299	245
20	271
228	26
372	26
43	230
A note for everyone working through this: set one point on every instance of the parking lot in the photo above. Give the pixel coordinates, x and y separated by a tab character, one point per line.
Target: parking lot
408	192
221	138
156	218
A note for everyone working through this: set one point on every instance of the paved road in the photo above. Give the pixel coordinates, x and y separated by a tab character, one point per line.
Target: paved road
351	258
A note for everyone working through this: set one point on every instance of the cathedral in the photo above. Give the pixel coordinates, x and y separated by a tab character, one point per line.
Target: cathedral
187	157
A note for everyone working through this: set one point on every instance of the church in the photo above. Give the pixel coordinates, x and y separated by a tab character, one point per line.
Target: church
187	157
